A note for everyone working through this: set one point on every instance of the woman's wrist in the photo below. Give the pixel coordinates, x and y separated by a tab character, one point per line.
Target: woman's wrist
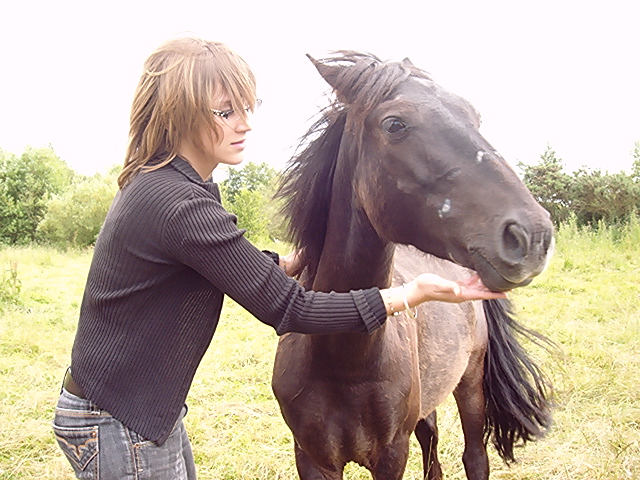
282	263
400	299
413	295
291	264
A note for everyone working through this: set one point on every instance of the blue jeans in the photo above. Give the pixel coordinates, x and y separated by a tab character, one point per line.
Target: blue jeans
99	447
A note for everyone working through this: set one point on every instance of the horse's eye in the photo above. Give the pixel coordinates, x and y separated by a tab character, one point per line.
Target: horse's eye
393	125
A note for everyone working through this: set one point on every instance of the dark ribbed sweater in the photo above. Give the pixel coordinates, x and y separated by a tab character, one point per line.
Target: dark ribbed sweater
166	255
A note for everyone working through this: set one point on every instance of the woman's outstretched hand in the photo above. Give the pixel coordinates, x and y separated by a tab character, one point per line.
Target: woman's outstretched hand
430	287
434	287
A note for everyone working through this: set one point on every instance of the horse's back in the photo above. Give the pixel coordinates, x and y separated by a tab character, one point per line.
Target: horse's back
450	336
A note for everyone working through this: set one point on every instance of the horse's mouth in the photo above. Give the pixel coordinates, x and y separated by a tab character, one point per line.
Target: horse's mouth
491	277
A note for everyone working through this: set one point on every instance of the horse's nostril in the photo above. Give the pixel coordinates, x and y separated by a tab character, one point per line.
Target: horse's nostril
515	241
547	240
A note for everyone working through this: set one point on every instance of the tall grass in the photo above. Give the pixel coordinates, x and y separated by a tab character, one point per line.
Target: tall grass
588	301
10	284
35	338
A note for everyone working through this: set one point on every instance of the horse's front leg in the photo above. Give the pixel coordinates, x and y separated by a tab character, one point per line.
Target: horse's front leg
427	435
469	395
392	461
310	470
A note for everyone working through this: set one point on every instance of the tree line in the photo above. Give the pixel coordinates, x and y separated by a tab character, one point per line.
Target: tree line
43	200
588	196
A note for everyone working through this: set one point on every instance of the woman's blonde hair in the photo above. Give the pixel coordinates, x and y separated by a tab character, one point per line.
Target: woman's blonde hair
174	98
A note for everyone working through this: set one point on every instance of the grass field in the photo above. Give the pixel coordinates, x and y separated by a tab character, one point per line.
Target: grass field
588	302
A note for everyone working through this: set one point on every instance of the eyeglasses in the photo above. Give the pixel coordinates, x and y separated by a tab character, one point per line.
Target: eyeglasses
231	117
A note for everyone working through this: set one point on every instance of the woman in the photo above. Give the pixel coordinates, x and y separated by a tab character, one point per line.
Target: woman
167	254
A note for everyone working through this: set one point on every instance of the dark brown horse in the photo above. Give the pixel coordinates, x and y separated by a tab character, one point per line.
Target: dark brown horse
398	160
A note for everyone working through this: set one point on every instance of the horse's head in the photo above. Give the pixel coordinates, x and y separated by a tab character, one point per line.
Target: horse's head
425	175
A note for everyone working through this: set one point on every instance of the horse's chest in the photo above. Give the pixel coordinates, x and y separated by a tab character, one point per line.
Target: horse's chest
350	402
353	420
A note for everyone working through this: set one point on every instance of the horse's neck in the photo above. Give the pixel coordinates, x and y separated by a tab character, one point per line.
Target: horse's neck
346	356
354	256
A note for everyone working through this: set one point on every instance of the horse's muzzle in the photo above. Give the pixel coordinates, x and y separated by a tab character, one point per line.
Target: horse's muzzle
518	258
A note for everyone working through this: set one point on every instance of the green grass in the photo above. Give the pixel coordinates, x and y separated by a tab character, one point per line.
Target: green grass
588	302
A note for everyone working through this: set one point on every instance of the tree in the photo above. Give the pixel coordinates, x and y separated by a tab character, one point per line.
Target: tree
248	207
248	193
549	185
27	182
250	177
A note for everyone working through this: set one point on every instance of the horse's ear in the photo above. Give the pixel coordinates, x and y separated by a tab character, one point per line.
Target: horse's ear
329	72
406	61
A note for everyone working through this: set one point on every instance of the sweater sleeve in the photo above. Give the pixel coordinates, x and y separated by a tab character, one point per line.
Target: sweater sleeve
204	236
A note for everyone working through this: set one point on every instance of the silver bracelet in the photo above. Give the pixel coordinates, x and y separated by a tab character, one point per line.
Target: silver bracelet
412	314
391	309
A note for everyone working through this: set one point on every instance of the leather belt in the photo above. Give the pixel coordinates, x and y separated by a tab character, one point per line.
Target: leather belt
72	387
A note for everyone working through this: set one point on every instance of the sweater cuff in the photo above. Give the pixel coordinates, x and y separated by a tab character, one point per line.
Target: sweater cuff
273	256
371	307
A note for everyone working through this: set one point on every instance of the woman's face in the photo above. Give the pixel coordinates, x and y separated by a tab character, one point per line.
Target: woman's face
229	149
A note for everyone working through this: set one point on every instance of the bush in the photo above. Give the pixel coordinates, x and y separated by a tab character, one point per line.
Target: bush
10	285
589	196
611	198
74	217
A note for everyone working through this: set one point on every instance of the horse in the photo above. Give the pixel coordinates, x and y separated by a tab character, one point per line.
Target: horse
394	179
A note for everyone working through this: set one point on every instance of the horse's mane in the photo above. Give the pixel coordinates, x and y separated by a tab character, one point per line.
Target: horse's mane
307	182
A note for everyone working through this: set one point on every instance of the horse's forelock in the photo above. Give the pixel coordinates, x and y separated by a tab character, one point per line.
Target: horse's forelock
365	80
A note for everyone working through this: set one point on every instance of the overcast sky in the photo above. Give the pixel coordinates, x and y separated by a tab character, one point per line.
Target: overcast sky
557	72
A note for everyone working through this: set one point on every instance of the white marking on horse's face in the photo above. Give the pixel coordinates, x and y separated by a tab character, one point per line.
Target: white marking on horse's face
480	156
550	252
446	208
